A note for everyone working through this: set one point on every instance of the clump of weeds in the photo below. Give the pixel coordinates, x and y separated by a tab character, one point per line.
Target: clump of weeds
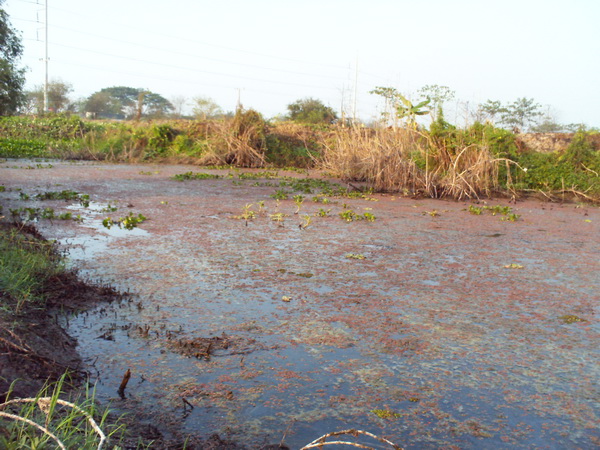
323	212
279	218
359	256
570	318
66	195
306	223
32	214
505	211
247	213
128	222
349	216
298	200
280	194
195	176
433	213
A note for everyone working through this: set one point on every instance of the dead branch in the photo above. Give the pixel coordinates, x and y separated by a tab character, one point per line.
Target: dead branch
318	443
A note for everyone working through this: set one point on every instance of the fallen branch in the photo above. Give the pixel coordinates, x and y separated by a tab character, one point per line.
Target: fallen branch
318	443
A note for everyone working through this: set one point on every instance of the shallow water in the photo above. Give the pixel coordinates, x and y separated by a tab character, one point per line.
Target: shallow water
429	341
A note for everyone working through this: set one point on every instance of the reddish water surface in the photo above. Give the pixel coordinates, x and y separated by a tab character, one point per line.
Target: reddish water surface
430	340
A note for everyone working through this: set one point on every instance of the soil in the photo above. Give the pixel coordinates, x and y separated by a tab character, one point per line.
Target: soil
432	326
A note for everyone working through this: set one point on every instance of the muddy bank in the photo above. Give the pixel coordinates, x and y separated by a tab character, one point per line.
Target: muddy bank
435	324
34	348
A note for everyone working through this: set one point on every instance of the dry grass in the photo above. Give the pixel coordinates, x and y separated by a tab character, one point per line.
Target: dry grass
406	160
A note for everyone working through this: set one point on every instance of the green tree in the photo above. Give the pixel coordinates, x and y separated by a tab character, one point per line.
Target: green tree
206	108
12	78
521	113
123	102
310	110
407	110
397	106
58	98
438	96
490	110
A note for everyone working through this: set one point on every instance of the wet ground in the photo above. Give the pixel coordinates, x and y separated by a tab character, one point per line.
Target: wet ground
431	325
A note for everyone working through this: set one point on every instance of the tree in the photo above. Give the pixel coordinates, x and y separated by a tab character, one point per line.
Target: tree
178	102
310	110
12	78
438	96
490	110
520	113
206	108
121	102
406	110
58	100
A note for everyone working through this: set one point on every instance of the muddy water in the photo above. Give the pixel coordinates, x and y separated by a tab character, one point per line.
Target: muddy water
430	340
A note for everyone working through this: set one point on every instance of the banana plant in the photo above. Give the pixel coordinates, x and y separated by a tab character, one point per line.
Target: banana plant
406	110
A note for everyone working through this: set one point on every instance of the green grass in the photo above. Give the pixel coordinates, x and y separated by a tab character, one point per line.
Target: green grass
25	264
76	424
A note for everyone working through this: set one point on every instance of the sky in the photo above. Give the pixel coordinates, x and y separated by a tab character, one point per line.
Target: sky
270	53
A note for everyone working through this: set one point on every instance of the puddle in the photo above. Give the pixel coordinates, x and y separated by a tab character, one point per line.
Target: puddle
430	330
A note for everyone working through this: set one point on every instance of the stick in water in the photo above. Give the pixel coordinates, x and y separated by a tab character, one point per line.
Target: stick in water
126	378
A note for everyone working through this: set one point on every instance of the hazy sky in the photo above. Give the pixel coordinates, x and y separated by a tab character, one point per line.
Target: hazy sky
277	51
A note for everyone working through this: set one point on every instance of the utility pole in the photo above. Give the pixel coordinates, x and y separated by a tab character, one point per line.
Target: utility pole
46	62
355	91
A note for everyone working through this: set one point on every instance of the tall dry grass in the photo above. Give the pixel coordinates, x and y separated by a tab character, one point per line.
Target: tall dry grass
410	161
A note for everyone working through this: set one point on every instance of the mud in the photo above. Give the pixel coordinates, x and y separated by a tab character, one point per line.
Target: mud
441	329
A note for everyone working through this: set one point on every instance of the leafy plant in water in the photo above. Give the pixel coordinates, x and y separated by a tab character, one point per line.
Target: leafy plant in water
511	217
298	200
195	176
278	217
323	212
355	256
128	222
348	215
280	194
307	221
475	210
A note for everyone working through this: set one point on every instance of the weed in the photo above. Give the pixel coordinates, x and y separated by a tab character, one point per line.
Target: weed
128	222
511	217
307	221
67	195
433	213
298	200
278	217
475	210
195	176
355	256
513	266
23	196
247	213
323	212
2	188
348	215
280	194
570	318
369	217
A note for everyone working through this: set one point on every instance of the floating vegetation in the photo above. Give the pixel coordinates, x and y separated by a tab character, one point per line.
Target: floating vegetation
128	222
355	256
349	216
195	176
386	414
433	213
505	211
31	214
513	266
570	318
66	195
